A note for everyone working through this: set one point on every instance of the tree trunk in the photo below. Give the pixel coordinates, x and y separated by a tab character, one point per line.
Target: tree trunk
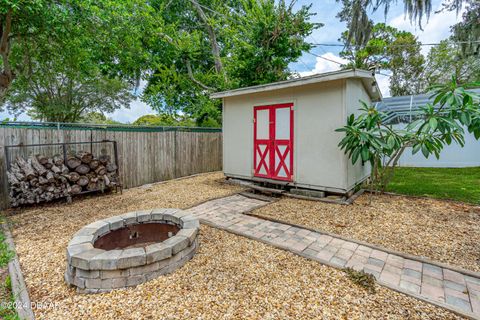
49	164
389	174
73	162
7	75
104	159
73	176
42	159
100	170
82	169
12	179
56	169
75	189
82	181
64	169
58	160
94	164
91	186
85	157
50	177
213	39
37	166
26	168
111	167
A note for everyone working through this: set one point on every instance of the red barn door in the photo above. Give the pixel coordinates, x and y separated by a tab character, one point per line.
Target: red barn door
273	141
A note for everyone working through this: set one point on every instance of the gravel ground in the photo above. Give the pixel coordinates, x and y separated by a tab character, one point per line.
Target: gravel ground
230	276
440	230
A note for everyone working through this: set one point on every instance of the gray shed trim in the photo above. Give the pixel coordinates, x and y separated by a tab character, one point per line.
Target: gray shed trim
366	76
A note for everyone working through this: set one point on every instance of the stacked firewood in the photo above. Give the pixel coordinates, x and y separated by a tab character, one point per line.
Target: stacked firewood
40	179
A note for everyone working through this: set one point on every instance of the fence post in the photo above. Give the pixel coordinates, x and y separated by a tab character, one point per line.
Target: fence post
64	148
7	157
175	155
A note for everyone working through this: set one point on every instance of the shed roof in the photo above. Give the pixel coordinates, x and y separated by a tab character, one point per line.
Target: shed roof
367	78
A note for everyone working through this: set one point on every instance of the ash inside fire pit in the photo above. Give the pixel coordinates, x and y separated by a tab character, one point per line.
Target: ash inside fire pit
135	236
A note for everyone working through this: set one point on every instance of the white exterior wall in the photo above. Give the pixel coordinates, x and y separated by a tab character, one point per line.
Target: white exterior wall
353	94
452	156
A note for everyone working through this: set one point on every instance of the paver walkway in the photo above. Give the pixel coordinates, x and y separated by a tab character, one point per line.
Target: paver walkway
433	283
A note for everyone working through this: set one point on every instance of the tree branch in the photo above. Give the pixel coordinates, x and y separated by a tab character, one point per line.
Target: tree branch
213	38
190	75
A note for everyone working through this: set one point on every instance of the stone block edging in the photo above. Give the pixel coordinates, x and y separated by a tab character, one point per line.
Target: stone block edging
445	306
94	270
374	246
23	304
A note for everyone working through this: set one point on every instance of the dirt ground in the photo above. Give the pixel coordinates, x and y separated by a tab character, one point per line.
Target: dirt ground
230	277
444	231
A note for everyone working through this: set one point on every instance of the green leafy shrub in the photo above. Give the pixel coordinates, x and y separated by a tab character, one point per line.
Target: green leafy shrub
370	140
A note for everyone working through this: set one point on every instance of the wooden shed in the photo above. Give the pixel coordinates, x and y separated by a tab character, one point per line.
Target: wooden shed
284	132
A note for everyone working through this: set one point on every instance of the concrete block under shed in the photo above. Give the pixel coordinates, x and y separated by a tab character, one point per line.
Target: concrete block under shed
308	193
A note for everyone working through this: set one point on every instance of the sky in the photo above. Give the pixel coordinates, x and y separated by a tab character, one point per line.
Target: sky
436	29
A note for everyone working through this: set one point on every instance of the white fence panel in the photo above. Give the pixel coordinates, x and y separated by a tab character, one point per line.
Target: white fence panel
452	156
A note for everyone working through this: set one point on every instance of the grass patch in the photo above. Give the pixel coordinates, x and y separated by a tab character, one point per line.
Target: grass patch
5	253
7	307
7	300
461	184
362	279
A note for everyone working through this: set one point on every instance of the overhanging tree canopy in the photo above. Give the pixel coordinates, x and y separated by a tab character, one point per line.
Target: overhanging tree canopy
69	58
360	27
215	45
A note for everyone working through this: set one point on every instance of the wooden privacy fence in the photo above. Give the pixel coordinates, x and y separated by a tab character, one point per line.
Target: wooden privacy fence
145	154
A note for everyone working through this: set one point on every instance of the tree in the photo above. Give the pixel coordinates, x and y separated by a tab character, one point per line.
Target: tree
388	49
359	26
66	86
20	21
215	45
97	118
163	120
447	59
372	54
459	54
69	58
185	69
406	64
266	39
369	140
467	32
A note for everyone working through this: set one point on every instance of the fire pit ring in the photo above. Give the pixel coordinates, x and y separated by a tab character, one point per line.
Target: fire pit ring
130	249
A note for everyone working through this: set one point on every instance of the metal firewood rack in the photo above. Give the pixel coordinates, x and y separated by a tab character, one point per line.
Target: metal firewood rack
25	151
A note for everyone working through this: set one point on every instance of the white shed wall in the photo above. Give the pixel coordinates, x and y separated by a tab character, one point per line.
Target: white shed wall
355	92
319	110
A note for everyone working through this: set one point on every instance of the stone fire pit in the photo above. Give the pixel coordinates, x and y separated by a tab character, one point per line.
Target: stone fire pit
130	249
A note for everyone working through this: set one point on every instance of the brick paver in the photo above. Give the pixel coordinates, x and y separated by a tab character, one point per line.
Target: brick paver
449	288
